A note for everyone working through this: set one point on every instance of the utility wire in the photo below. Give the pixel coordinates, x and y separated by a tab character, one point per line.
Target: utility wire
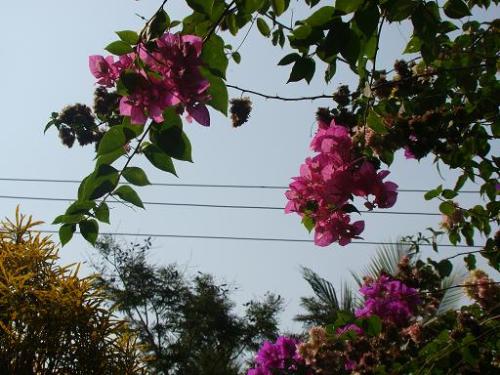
228	186
236	238
202	205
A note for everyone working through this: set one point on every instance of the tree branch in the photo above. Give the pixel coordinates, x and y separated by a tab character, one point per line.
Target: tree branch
277	97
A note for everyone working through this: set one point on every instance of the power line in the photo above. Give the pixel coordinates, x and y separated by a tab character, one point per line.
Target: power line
221	186
236	238
224	206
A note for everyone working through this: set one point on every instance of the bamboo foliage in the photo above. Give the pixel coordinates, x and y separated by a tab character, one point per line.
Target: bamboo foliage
51	320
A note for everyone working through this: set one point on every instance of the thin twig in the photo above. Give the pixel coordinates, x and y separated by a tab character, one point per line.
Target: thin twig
219	20
277	97
246	35
469	252
372	76
129	158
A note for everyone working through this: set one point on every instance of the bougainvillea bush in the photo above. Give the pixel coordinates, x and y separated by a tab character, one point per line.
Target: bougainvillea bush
399	327
438	101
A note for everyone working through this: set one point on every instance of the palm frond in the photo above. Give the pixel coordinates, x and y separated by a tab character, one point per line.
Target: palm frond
347	298
385	260
452	297
323	289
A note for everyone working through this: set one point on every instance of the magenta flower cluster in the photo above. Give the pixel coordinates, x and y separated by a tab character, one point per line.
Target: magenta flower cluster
169	75
328	182
276	358
389	299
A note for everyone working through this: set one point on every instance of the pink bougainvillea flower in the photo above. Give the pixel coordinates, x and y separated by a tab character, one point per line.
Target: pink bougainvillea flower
389	299
368	182
278	357
130	108
335	141
386	194
199	112
104	70
172	76
329	180
409	154
336	227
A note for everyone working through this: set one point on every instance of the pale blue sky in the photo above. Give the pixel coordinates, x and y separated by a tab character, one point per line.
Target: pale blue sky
44	65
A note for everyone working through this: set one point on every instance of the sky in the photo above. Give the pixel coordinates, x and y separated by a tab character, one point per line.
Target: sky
45	67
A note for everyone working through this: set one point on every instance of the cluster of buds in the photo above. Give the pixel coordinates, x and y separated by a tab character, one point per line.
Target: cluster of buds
76	122
310	349
240	110
482	289
106	106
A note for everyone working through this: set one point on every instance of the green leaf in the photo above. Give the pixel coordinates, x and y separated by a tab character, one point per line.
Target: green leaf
336	37
136	176
321	17
129	195
456	9
470	261
351	47
279	6
375	122
119	48
454	237
159	23
110	157
49	124
159	159
251	6
330	71
102	181
82	187
202	6
431	194
495	128
372	325
117	137
303	68
89	230
413	45
66	233
214	56
217	91
171	119
348	6
128	36
68	219
174	142
288	59
460	182
387	156
263	27
236	57
444	268
102	212
349	208
447	208
399	10
80	207
367	19
449	194
308	223
302	32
